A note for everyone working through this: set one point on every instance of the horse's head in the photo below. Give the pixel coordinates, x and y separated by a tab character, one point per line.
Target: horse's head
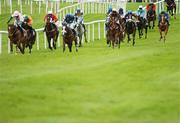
11	30
163	19
112	23
66	30
48	20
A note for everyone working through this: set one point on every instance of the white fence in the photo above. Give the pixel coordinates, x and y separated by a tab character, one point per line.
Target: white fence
90	35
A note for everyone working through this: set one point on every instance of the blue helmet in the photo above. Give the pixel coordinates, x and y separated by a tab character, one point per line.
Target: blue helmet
129	11
109	10
121	11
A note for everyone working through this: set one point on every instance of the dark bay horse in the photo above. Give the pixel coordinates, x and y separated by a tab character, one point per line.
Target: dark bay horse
163	28
51	33
68	37
141	24
113	33
131	29
31	34
80	31
171	8
151	17
17	37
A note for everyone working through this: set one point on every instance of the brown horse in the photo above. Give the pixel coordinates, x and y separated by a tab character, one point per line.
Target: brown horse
51	33
142	26
131	29
171	9
163	27
68	37
114	33
31	34
151	17
16	37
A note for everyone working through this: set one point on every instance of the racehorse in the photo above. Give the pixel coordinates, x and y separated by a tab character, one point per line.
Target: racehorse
163	27
123	25
16	37
51	33
171	9
151	17
68	37
80	31
31	34
141	24
131	29
113	33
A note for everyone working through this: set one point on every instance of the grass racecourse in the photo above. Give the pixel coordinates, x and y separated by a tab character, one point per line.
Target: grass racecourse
139	84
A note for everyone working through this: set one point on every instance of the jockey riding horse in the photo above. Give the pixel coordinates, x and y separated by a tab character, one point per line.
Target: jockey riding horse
171	7
114	29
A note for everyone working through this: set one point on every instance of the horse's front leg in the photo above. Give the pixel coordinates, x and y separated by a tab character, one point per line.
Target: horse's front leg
128	38
160	34
49	43
70	47
64	46
76	44
134	34
11	46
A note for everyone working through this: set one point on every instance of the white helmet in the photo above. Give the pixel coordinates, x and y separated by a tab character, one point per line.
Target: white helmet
50	12
140	7
16	13
114	9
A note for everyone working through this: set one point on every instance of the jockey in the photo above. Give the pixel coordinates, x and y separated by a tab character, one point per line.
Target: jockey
166	17
28	20
112	14
18	20
109	11
129	16
141	12
115	14
69	20
79	15
153	7
121	12
53	19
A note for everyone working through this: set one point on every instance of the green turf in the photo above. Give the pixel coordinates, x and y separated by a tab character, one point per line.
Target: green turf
139	84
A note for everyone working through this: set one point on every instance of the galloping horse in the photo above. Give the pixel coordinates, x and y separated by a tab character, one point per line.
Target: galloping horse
171	8
141	24
51	33
80	31
17	37
31	34
68	37
131	29
151	17
113	34
163	27
123	25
